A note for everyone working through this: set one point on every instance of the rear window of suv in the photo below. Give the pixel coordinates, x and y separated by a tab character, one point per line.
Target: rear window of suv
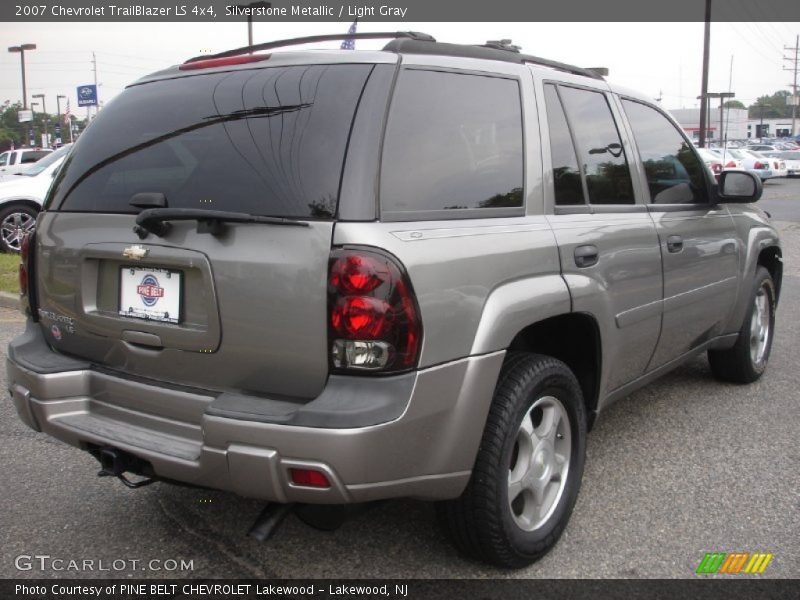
267	142
453	147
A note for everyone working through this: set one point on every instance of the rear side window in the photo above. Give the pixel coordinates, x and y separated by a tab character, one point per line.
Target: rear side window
33	156
453	143
567	183
4	158
608	178
674	171
261	141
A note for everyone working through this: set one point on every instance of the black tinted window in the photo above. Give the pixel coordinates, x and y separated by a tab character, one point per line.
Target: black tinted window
674	172
453	141
608	178
566	173
265	141
33	156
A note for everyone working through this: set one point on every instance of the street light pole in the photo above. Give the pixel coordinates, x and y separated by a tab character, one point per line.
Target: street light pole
249	9
59	119
21	49
46	120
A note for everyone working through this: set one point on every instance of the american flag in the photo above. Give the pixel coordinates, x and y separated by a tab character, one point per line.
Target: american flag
66	113
350	43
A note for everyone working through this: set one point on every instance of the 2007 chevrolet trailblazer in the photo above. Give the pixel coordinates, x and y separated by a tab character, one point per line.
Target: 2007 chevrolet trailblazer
336	277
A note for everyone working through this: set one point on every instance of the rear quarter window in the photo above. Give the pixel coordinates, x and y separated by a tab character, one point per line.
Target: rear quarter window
453	147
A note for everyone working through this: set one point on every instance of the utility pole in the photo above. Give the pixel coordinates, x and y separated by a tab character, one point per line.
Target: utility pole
704	90
97	92
794	59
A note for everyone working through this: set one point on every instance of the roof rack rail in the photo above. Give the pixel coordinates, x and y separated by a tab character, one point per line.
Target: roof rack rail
410	35
501	50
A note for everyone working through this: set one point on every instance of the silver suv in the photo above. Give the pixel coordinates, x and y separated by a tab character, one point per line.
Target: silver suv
336	277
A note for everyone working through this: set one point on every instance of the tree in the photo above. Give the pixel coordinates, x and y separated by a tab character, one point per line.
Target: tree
771	107
734	104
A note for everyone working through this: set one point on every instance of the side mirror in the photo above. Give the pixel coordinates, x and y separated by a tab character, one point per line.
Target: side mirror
739	186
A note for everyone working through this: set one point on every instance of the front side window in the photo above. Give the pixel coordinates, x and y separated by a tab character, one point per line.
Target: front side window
453	141
603	160
674	171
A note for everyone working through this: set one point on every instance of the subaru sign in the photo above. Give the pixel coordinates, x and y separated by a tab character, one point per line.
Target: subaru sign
87	95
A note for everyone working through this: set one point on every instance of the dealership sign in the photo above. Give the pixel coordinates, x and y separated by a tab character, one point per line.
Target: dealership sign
87	95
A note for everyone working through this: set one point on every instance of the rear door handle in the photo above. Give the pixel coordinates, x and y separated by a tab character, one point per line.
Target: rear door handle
674	243
586	256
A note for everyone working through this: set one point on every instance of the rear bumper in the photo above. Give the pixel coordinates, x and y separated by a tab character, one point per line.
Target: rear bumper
424	445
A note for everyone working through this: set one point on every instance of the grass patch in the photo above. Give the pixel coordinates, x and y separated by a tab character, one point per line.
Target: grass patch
9	273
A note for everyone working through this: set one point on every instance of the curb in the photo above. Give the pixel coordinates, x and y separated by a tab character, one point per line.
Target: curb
8	300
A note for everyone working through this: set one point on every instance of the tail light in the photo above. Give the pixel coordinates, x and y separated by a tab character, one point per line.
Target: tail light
373	317
716	168
730	165
27	275
759	165
777	166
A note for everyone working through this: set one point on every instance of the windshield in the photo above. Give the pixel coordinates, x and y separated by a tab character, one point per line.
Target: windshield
267	142
41	164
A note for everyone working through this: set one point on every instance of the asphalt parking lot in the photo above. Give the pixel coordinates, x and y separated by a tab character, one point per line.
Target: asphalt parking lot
683	467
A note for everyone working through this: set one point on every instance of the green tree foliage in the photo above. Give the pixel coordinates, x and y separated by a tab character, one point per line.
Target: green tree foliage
771	107
734	104
12	131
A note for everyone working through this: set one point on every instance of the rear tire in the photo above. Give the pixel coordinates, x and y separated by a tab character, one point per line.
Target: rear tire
529	466
16	220
747	360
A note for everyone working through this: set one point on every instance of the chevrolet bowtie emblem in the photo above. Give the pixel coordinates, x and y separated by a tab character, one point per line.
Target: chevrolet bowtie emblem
135	252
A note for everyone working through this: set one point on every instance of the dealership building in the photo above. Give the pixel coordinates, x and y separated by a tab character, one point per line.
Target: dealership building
736	125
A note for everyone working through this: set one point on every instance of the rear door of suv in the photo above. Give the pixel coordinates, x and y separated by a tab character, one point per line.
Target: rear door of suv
608	243
212	304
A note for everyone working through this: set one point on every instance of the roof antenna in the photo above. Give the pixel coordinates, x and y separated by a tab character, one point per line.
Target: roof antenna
504	44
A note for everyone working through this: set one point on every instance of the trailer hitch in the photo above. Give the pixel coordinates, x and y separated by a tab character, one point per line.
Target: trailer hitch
115	463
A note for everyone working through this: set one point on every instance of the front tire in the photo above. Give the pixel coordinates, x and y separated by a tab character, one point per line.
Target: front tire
16	220
529	466
747	360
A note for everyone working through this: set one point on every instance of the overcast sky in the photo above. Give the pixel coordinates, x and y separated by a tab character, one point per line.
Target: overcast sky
656	58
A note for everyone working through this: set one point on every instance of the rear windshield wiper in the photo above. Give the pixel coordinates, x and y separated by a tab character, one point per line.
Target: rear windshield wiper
156	220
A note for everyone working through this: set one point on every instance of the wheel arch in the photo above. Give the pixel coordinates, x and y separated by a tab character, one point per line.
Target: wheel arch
23	200
574	339
771	259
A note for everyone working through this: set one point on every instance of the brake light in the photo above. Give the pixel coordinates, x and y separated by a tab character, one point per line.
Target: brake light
223	62
373	322
730	165
759	165
776	165
716	168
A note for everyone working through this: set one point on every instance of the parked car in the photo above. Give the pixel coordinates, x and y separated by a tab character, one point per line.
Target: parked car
712	160
331	277
754	163
21	199
728	160
16	161
791	159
